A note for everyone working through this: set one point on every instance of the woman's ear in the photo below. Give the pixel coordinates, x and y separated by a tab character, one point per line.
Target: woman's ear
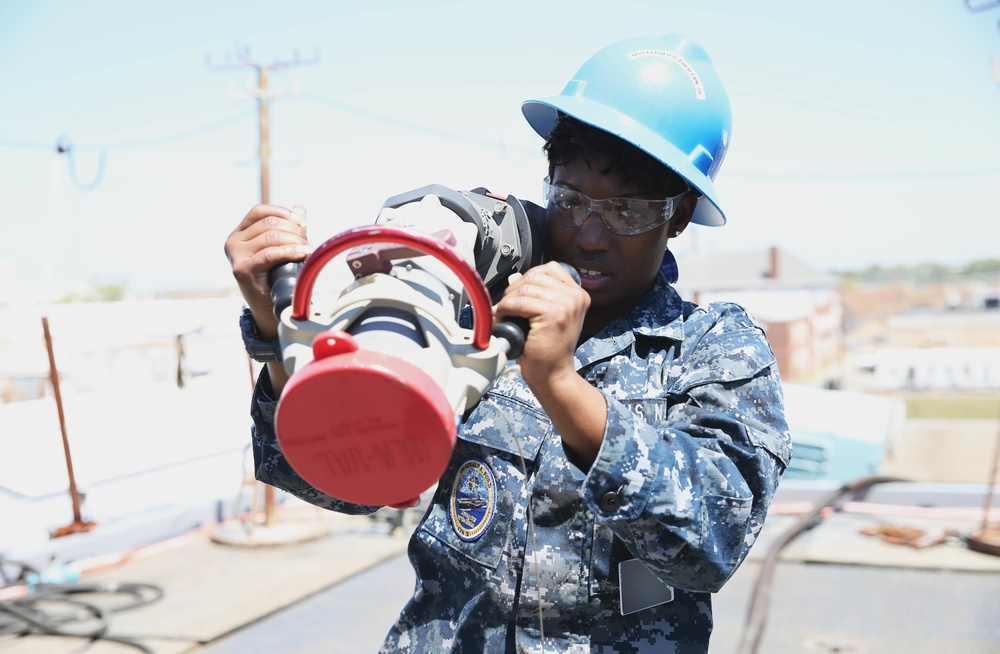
682	217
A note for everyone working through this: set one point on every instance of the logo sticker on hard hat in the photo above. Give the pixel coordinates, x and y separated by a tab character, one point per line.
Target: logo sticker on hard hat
473	499
699	88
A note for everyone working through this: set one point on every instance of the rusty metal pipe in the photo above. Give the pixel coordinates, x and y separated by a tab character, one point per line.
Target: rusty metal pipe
78	524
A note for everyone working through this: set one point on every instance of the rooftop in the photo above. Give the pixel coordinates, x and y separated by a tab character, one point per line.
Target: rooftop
771	268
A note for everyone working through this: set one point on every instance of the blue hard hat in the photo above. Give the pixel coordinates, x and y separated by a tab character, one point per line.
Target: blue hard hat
661	94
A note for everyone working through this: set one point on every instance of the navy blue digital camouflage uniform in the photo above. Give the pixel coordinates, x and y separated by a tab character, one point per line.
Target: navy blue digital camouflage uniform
695	444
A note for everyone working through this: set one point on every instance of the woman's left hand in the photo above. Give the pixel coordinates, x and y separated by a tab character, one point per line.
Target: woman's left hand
555	306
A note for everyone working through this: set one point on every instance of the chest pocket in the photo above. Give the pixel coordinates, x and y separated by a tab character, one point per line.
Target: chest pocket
481	497
637	384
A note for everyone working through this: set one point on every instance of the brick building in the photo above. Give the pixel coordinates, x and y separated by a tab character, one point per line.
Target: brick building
799	306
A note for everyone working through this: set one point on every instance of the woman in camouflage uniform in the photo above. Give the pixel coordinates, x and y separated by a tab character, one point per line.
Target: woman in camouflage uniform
596	500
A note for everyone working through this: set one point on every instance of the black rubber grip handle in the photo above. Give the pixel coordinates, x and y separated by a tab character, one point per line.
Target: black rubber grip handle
515	332
282	280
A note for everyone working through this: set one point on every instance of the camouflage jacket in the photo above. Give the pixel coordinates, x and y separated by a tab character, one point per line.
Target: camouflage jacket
694	446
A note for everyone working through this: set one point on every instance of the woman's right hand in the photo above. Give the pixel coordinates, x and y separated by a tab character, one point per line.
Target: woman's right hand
267	236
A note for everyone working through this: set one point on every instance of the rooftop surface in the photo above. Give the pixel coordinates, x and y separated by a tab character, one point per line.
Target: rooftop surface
835	589
164	474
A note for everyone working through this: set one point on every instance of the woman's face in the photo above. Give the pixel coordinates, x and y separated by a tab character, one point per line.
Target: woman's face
614	269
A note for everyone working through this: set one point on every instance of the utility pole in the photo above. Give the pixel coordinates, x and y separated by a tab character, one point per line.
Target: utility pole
271	533
264	95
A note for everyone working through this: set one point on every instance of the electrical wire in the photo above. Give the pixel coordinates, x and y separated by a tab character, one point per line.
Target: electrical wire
139	143
64	146
834	177
403	124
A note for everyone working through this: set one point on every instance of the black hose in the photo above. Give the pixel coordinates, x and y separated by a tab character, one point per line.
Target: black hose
37	612
760	599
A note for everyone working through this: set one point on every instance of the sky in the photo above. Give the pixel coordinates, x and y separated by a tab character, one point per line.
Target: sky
864	133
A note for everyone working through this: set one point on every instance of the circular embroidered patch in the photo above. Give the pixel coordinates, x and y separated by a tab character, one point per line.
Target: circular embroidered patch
473	499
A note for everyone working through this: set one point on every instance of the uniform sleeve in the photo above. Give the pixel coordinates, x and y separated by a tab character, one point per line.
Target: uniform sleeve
688	495
270	465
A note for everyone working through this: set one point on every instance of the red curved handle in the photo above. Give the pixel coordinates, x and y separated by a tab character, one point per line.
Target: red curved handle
474	286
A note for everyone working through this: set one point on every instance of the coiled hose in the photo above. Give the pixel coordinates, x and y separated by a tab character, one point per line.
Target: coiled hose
56	609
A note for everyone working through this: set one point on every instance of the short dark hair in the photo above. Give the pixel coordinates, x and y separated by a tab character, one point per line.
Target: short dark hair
571	139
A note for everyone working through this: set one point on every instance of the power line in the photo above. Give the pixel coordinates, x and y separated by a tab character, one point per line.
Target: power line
131	145
64	146
398	122
779	176
875	176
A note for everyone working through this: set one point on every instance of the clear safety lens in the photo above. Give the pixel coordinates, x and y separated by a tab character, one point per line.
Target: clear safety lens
624	216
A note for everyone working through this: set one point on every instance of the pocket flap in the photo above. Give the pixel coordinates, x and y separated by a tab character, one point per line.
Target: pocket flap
730	357
508	424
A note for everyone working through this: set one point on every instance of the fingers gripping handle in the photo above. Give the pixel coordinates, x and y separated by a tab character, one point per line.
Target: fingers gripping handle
515	330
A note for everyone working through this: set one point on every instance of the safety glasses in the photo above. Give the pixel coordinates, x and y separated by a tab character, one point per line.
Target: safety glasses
625	216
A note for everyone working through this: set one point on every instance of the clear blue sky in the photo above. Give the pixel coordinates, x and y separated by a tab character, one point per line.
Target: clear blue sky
864	132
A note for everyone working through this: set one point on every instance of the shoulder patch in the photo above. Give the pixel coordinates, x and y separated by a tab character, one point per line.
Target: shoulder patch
473	499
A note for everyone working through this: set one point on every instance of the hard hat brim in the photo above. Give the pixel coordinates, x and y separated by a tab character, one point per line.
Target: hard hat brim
543	113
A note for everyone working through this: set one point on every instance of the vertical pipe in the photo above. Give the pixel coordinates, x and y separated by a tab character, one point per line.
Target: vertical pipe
78	523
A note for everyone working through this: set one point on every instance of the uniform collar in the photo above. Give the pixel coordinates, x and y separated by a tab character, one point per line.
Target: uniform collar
657	314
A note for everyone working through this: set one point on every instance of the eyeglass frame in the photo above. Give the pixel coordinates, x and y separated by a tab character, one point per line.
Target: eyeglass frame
671	205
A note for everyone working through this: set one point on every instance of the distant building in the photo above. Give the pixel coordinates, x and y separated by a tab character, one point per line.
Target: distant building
939	368
938	350
799	306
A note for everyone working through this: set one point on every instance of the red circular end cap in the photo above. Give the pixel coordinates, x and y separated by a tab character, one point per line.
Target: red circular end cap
366	427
